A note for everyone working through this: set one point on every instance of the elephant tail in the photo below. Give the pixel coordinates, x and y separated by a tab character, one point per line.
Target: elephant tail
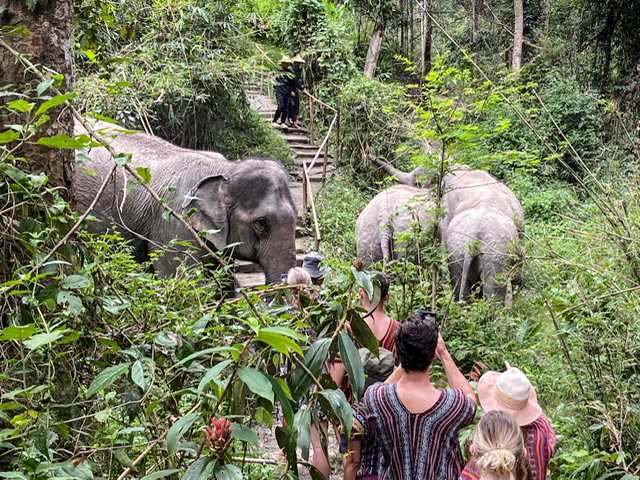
463	292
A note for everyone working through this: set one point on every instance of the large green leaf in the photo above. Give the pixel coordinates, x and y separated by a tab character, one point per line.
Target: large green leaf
18	333
278	341
244	433
106	378
257	382
201	469
161	474
351	361
9	136
138	375
57	100
228	472
340	407
363	333
212	374
72	282
206	351
285	403
314	359
43	339
302	426
177	430
61	141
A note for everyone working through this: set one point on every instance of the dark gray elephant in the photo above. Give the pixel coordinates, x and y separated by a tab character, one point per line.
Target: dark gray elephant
463	189
480	242
394	211
247	203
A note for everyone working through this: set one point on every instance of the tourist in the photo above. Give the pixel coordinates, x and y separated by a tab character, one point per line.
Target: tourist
311	263
512	392
498	450
294	105
416	424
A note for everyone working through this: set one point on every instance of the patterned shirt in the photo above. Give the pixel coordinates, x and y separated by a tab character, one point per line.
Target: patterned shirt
369	449
540	441
418	446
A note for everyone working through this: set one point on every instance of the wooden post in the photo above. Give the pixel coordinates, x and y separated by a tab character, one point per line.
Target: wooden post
326	159
311	114
305	180
338	144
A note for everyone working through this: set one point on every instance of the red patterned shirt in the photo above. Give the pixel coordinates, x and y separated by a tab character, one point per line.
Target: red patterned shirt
540	441
418	446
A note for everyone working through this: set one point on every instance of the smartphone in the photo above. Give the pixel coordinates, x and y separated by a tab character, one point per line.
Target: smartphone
427	315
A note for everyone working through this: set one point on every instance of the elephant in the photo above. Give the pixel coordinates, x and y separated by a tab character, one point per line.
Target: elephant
244	203
388	214
464	188
479	241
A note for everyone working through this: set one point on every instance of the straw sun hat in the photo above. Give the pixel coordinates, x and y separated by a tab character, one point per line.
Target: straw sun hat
510	392
284	59
298	59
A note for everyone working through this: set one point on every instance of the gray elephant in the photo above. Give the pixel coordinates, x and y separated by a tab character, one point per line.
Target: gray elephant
480	242
463	189
246	203
394	211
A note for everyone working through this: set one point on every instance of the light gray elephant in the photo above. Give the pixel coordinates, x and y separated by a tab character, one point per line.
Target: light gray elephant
246	203
480	242
394	211
463	189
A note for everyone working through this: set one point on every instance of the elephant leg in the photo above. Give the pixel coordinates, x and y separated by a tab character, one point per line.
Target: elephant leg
493	287
465	280
454	265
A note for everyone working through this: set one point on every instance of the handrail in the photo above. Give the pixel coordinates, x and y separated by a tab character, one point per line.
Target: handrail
333	109
306	183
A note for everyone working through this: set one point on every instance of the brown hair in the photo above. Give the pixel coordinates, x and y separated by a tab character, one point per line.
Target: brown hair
499	447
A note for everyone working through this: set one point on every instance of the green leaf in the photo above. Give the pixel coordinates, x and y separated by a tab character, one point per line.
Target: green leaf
123	159
18	333
340	407
144	173
42	339
43	86
302	425
74	302
351	361
138	376
314	359
257	382
228	472
278	341
245	434
55	101
106	378
212	374
177	430
20	105
285	403
13	475
206	351
61	141
201	469
161	474
75	281
9	136
363	279
363	333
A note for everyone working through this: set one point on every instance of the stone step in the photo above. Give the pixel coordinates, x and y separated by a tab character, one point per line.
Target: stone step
290	137
310	154
303	146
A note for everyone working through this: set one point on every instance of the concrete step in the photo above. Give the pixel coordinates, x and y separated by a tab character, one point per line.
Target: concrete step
290	137
310	154
250	279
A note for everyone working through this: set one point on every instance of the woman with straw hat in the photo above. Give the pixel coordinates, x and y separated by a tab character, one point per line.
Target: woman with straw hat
512	392
283	87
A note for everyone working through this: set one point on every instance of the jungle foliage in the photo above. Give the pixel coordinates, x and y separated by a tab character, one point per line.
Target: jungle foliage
108	371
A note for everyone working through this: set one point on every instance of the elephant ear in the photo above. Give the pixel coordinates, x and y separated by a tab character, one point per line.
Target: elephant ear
208	197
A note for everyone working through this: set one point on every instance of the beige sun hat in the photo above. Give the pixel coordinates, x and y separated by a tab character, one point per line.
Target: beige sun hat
510	392
298	59
284	59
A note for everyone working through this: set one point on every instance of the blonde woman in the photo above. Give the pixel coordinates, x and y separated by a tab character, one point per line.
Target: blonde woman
498	450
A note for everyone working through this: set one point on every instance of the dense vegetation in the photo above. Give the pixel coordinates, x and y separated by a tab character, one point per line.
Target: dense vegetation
108	371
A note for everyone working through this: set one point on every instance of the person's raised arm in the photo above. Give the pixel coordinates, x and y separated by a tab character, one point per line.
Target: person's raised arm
352	459
454	376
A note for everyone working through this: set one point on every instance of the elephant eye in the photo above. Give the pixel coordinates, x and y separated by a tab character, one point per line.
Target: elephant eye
262	226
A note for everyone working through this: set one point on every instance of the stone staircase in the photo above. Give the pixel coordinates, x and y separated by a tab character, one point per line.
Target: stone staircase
304	150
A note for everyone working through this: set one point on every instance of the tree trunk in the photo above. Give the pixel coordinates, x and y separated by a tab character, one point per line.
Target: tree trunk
426	39
49	44
373	53
410	32
516	60
474	22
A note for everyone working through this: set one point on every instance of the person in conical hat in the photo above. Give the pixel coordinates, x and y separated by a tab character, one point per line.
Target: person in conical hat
294	106
283	88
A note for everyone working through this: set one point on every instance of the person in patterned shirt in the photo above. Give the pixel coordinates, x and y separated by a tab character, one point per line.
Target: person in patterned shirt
417	425
512	392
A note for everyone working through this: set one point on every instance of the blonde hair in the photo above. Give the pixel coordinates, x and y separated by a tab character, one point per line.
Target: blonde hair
499	447
298	276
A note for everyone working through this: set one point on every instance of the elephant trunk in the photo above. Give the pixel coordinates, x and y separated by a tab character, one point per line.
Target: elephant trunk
277	261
